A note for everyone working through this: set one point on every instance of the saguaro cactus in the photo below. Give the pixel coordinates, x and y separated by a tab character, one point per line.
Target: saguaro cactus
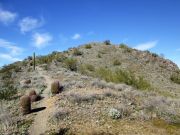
34	61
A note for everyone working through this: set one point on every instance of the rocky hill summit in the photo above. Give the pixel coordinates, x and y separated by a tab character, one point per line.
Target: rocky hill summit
105	89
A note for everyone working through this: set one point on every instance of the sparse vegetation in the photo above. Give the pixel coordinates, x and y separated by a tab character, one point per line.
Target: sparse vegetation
120	76
122	45
116	62
125	47
59	115
7	91
175	78
71	64
77	52
154	55
114	113
99	55
88	46
107	42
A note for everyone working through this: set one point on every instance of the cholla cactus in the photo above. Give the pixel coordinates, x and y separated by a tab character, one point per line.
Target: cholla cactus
114	113
55	87
25	103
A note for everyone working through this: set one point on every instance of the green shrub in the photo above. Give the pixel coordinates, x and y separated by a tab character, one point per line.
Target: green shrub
7	93
120	76
25	103
86	69
48	58
107	42
175	78
77	52
125	47
61	58
88	46
122	45
71	64
99	55
116	62
154	55
90	67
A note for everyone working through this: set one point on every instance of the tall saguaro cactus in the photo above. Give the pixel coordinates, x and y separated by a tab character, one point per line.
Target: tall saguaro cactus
34	61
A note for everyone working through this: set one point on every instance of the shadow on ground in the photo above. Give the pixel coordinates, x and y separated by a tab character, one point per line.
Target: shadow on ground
38	109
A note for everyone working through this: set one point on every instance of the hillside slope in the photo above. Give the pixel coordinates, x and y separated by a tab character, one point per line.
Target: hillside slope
107	90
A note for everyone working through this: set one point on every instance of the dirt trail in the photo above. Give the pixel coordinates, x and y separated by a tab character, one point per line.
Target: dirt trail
40	124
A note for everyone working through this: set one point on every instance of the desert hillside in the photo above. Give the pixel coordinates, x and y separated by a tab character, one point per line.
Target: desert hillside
94	89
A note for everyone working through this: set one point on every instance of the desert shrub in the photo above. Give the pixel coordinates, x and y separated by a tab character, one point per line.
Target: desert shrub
114	113
9	68
61	58
120	76
71	64
85	68
122	45
175	78
99	84
25	103
164	108
7	91
109	93
125	47
90	67
116	62
28	81
99	55
55	87
154	55
77	98
77	52
59	115
107	42
88	46
48	58
142	84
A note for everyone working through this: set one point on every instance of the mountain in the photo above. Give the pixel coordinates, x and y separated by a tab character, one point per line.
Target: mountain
104	89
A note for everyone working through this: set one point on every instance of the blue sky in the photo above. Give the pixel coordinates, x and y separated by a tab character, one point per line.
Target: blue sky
44	26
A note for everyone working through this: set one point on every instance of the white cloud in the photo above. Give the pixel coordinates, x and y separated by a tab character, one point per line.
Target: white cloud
41	40
147	45
7	17
28	24
9	57
10	47
11	51
76	36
